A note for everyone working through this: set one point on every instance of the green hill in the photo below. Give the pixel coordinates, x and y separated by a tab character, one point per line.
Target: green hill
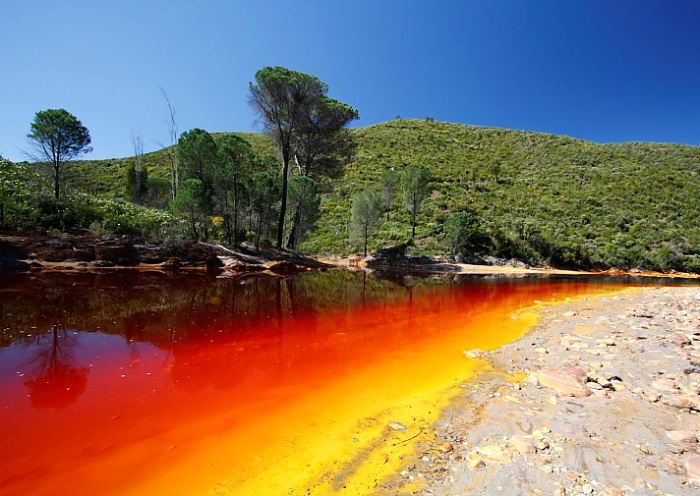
538	197
108	177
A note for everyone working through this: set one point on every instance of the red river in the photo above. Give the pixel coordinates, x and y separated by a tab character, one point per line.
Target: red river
150	385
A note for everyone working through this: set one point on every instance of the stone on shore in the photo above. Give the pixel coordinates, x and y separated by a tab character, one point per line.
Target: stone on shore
522	445
689	401
474	460
692	469
682	436
397	426
494	454
679	339
568	381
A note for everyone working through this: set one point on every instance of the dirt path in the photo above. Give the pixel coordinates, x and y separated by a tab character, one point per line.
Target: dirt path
601	398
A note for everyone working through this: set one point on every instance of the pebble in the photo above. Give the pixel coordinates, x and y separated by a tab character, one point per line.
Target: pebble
679	339
618	385
397	426
475	353
494	453
474	460
689	401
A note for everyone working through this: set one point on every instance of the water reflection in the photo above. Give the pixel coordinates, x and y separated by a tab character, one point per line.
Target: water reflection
56	381
151	307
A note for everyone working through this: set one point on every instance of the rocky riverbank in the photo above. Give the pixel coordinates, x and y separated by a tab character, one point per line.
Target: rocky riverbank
84	251
391	261
87	252
602	397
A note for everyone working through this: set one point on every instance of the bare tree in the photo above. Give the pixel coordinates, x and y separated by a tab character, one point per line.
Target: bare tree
172	150
139	185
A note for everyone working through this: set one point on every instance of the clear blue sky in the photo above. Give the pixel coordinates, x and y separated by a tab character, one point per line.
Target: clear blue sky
602	70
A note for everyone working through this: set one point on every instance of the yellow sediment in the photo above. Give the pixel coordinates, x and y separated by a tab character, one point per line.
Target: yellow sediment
340	440
350	447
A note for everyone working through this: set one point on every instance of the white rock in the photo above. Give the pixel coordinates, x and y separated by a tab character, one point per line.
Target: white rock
682	436
397	426
692	469
522	445
665	384
569	381
494	453
475	353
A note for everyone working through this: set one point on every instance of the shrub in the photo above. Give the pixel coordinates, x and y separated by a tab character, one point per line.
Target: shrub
459	230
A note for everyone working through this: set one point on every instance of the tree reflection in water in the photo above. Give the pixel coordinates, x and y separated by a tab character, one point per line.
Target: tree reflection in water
56	381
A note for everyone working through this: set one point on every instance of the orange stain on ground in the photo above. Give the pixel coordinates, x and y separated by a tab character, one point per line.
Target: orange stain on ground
296	404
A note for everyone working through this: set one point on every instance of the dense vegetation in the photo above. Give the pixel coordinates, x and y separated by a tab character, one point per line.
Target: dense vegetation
536	197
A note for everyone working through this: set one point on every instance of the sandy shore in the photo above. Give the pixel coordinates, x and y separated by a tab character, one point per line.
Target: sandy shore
602	397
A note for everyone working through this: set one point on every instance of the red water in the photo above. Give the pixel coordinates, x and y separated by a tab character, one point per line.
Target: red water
179	388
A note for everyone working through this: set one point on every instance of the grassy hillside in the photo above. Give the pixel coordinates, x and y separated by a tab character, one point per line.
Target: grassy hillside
538	197
108	177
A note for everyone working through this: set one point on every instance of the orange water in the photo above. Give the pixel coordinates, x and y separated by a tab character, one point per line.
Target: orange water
263	388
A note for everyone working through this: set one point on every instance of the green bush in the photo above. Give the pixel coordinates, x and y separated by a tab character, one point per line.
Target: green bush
459	229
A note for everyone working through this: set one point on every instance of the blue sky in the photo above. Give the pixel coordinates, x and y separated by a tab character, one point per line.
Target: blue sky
602	70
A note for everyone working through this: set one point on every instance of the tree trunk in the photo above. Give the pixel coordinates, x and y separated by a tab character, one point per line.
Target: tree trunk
283	204
56	179
413	232
194	227
227	225
294	233
366	236
258	232
235	212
